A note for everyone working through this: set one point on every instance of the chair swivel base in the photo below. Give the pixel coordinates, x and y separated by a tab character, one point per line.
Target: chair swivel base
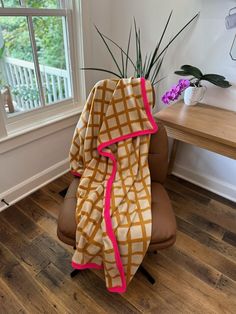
141	268
148	276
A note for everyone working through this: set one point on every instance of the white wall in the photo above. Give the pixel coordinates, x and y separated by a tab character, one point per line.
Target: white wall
205	44
27	167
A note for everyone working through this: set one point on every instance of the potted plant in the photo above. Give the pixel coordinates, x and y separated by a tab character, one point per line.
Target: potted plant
195	91
147	66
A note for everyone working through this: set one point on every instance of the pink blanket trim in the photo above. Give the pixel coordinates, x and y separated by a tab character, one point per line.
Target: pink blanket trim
76	174
108	221
85	266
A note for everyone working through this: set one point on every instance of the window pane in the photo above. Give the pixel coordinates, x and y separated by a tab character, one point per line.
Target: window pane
43	4
18	80
52	53
10	3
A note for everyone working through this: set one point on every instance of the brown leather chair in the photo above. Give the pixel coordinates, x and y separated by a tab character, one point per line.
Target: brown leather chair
163	218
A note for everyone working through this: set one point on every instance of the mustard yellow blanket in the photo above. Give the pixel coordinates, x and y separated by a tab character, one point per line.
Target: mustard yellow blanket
110	152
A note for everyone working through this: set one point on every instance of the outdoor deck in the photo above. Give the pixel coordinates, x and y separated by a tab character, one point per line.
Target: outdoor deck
21	77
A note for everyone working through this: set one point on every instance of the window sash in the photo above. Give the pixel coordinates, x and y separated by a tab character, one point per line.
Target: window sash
29	13
32	12
73	13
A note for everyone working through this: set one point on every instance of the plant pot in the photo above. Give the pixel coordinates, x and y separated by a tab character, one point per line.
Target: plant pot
193	95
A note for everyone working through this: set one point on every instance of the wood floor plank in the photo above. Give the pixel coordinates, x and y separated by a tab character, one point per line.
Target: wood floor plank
21	222
214	211
184	300
9	304
192	264
224	248
22	248
172	184
206	255
58	184
46	221
197	192
202	271
227	286
202	223
46	202
230	238
67	177
53	191
24	286
36	213
64	289
209	300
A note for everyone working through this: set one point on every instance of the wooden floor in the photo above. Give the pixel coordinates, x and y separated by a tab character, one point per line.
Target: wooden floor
197	275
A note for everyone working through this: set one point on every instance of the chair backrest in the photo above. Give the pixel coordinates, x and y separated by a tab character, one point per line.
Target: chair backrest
158	154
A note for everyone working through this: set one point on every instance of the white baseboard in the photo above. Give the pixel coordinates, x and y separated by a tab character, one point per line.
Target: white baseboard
209	183
34	183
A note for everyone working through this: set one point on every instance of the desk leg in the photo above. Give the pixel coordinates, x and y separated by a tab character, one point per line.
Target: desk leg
172	156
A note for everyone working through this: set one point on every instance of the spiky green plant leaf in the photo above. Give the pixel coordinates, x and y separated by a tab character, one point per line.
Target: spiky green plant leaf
118	46
137	45
127	52
173	39
144	65
152	62
157	47
140	53
108	48
156	70
102	70
159	80
122	63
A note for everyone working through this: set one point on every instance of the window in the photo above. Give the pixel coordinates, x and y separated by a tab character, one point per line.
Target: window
36	56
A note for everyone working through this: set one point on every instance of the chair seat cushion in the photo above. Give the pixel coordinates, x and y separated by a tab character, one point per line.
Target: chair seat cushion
163	219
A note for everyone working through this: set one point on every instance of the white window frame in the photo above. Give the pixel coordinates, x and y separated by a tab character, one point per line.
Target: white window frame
33	119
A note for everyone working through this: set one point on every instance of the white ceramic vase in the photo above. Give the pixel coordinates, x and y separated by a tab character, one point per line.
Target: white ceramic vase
193	95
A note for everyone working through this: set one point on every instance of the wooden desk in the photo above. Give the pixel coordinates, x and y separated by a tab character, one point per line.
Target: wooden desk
202	125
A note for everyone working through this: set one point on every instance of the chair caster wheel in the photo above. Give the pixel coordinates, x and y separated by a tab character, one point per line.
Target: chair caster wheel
147	275
74	273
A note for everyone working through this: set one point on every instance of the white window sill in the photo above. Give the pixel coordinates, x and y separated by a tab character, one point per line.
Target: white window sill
23	131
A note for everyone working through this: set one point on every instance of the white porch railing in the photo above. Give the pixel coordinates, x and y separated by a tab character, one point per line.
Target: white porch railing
21	77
